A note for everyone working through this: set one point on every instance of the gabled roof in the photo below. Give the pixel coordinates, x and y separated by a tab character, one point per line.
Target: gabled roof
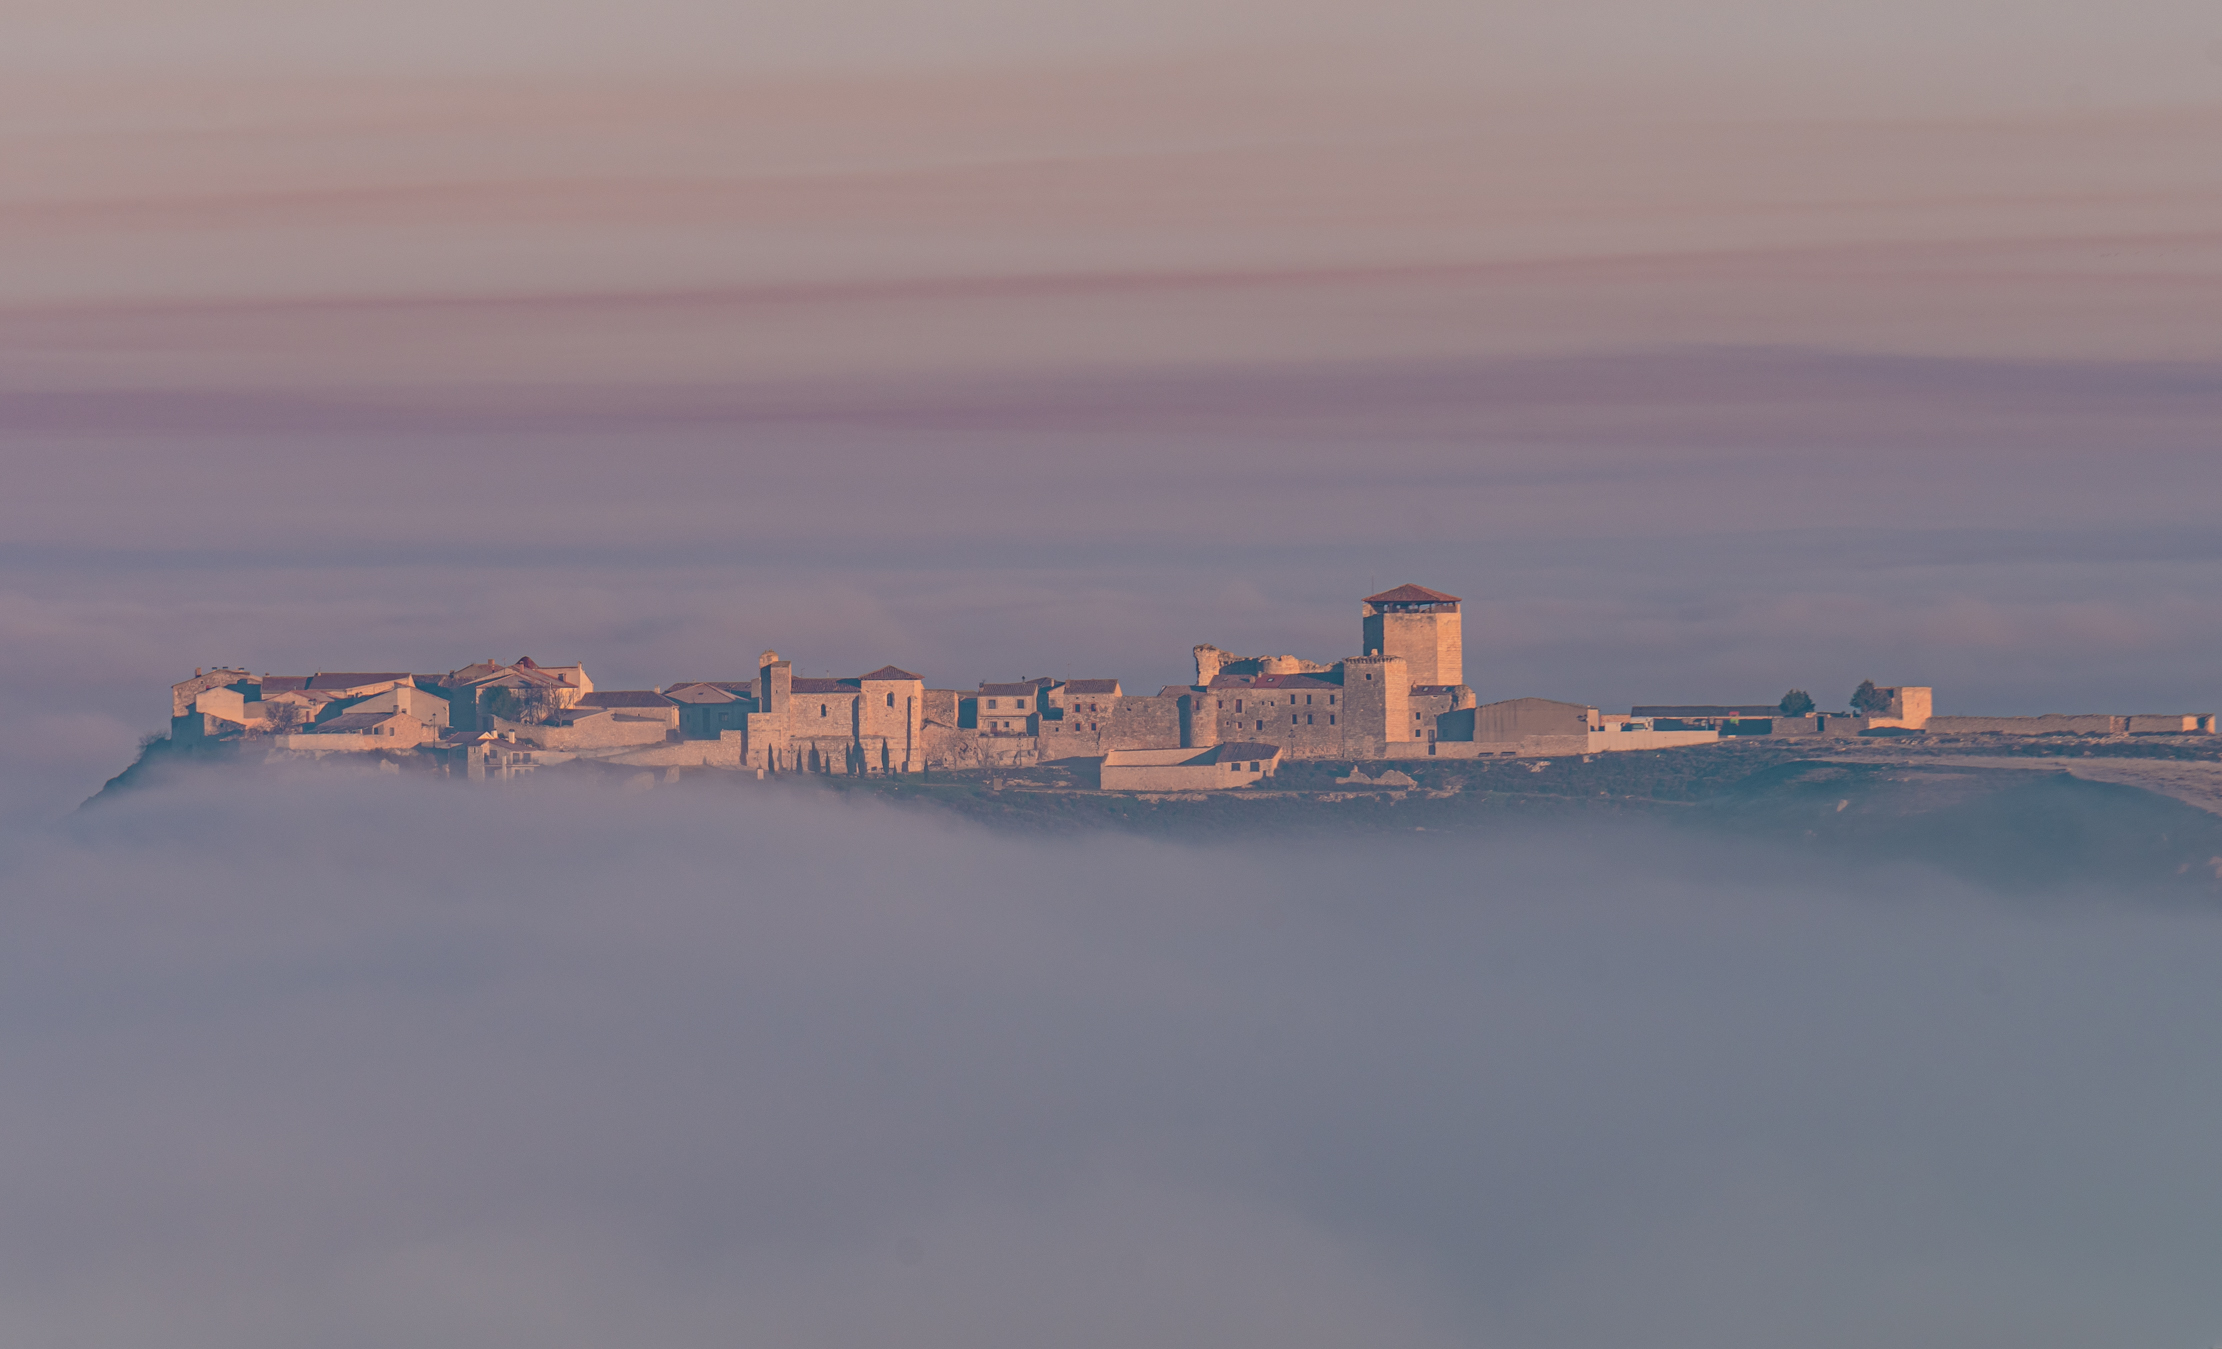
527	675
321	680
1025	690
697	692
283	684
892	672
1094	686
1411	594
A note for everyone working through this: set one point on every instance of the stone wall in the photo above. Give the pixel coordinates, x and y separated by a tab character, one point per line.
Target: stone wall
1122	721
2051	723
1307	723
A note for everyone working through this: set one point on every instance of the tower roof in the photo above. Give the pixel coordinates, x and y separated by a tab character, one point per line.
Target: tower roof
1411	594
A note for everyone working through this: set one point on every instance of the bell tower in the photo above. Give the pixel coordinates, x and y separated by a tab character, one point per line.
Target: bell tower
1420	625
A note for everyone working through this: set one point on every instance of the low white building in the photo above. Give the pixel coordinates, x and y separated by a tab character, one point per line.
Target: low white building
1189	770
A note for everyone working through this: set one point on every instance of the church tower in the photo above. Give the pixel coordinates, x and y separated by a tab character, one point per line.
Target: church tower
1420	625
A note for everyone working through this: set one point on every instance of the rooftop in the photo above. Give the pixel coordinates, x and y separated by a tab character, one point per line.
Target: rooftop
322	680
1411	594
892	672
698	691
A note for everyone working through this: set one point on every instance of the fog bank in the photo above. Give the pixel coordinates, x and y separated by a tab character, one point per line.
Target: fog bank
346	1061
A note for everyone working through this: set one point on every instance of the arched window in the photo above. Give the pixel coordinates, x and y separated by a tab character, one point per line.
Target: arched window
891	699
821	709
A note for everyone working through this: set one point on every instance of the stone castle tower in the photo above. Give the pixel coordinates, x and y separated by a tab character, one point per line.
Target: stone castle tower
1420	625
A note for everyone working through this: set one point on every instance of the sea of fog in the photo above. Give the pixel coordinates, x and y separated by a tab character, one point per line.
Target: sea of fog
344	1060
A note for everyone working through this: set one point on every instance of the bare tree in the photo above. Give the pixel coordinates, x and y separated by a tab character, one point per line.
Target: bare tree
527	705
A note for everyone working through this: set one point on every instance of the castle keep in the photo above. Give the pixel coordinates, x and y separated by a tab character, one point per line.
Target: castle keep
1403	696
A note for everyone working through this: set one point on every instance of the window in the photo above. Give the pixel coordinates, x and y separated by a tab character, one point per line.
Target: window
1330	700
1307	718
1238	704
1261	725
1253	766
821	709
1307	700
1369	677
1292	718
1330	718
890	699
991	702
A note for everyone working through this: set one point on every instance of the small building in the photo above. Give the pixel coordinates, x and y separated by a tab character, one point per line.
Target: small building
708	708
1189	770
1010	709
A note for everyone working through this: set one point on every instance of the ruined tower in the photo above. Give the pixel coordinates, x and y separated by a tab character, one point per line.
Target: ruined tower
1422	626
1376	705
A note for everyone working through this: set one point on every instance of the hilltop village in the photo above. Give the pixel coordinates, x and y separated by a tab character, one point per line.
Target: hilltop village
1403	698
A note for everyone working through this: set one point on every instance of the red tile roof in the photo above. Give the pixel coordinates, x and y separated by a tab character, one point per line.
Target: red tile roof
1411	594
